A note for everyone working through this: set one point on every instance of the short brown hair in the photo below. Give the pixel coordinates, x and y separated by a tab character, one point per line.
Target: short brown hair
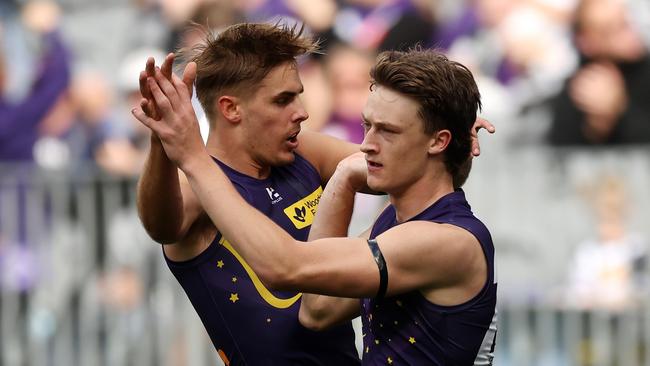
242	55
445	90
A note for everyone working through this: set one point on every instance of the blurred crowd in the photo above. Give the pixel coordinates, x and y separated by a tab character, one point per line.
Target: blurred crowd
553	73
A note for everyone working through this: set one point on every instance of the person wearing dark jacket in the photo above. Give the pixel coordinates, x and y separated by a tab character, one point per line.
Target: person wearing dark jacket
605	102
19	121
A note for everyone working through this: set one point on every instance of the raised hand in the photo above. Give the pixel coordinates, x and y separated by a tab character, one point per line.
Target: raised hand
177	126
148	104
478	124
354	171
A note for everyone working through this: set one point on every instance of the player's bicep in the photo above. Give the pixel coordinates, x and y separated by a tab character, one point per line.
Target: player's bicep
422	254
416	255
192	207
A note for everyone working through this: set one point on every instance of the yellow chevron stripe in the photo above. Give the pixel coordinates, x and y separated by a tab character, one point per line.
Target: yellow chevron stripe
271	299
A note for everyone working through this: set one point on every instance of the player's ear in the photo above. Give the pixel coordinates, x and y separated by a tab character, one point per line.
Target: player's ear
230	107
439	141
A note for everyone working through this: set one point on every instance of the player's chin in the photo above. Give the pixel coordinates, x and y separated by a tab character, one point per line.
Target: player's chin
285	157
376	184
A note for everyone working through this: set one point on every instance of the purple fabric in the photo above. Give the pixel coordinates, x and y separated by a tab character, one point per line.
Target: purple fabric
269	9
348	129
18	122
408	329
400	6
466	24
386	14
242	324
506	72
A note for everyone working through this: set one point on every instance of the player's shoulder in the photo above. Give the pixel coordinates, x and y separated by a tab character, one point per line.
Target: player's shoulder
430	232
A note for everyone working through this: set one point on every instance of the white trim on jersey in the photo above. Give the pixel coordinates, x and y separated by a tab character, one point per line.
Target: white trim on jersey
485	354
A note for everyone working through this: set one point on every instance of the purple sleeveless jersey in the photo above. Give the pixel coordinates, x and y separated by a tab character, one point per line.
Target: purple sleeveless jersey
248	323
407	329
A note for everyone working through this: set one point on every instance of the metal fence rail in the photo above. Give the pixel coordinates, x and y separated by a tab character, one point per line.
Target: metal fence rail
558	337
82	284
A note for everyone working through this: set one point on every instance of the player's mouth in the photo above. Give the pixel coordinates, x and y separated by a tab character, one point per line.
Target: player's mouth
292	140
294	137
373	166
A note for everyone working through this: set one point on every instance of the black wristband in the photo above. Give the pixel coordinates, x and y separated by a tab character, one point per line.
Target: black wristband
383	270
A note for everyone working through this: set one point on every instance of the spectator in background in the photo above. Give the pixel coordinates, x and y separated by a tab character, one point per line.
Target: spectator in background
380	25
176	14
605	102
89	127
347	72
520	52
21	267
19	122
102	132
211	14
607	271
521	44
317	16
477	24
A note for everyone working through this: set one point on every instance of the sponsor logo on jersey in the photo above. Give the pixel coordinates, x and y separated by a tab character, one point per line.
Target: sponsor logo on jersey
302	212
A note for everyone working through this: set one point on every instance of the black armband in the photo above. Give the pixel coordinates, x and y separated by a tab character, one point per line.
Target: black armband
383	270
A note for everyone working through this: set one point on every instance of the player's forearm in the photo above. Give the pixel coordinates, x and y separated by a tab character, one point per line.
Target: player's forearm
263	244
318	312
159	198
334	209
